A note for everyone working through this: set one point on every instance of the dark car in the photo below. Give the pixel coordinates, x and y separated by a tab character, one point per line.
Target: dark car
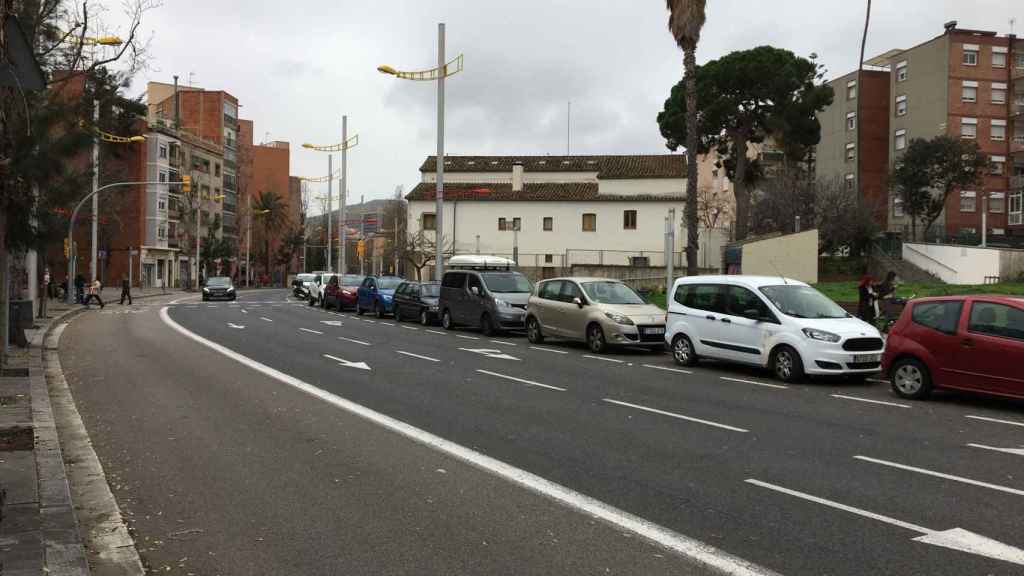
970	343
375	294
341	291
417	301
218	288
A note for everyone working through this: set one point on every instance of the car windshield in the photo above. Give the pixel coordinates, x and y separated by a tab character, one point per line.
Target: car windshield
430	290
506	282
388	282
352	280
219	281
305	277
803	302
611	293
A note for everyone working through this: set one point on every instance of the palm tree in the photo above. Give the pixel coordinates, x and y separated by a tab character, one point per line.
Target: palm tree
685	21
273	215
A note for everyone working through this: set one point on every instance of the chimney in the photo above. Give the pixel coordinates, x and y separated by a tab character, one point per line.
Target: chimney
517	176
177	105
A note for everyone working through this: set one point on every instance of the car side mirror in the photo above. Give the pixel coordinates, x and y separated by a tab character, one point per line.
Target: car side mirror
474	290
577	302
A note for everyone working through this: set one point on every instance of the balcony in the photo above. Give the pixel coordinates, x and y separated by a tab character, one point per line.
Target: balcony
1017	183
1017	144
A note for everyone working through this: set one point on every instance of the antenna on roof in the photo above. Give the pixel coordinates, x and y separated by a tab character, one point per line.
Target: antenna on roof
1013	23
950	25
776	268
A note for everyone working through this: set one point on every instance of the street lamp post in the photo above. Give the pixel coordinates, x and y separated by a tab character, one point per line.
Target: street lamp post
343	190
443	70
342	147
93	251
330	186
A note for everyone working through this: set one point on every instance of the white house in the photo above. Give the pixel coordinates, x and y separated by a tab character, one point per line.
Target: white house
560	211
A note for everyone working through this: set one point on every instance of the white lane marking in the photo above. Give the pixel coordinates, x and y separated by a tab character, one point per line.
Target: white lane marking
347	364
428	358
466	337
1016	451
684	545
192	307
954	538
667	369
238	326
310	331
520	380
927	472
605	359
437	332
368	320
244	311
1010	422
548	350
211	305
265	319
331	322
410	327
754	382
490	353
845	397
504	343
353	340
386	324
254	305
674	415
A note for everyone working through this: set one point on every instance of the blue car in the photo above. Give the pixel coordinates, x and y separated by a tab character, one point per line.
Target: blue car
376	294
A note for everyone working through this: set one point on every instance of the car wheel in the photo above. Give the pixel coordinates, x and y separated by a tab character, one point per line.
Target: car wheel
312	301
533	331
446	320
359	309
682	351
378	310
487	325
910	379
424	317
595	339
786	364
398	313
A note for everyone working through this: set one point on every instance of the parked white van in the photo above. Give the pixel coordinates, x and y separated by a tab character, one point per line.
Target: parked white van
768	321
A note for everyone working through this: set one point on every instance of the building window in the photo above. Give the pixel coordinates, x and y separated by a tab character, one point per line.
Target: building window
998	130
163	176
629	219
998	59
163	150
997	202
998	231
502	224
517	224
549	258
901	139
851	151
968	230
429	221
901	105
1016	213
549	223
851	122
968	201
640	261
897	207
1020	59
998	165
998	93
969	93
590	222
969	128
901	71
851	89
161	232
161	203
970	55
849	182
216	170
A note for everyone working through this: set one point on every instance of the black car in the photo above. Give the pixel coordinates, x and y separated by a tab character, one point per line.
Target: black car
218	288
417	300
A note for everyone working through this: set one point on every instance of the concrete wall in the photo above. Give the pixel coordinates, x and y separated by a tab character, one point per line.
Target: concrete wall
794	256
1011	265
954	264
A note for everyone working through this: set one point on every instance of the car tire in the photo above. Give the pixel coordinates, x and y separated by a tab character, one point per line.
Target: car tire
595	339
424	317
910	379
323	303
359	309
398	313
787	365
446	320
312	301
682	351
487	325
378	310
533	331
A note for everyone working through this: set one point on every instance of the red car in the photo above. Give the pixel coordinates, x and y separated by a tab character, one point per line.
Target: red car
343	294
971	343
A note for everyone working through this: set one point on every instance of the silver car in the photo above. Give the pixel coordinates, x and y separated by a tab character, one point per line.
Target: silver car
602	312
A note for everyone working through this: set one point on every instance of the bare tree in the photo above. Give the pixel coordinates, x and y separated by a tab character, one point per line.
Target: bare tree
713	207
420	249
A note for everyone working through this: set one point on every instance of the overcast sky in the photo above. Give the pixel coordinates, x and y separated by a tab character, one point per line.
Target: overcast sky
297	66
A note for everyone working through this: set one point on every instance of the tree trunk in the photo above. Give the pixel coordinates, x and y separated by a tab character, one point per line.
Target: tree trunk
740	186
692	222
4	280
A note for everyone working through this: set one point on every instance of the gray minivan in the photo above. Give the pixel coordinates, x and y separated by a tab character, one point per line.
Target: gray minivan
492	300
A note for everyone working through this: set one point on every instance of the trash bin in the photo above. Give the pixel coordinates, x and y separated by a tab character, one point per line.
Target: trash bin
20	319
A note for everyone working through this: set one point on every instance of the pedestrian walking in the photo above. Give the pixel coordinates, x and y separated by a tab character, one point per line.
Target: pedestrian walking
79	288
866	296
126	290
45	293
94	294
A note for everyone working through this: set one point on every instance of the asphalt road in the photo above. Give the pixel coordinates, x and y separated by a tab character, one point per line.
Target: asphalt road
817	478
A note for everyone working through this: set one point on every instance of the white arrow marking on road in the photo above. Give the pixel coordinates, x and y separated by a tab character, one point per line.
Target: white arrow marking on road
490	353
235	326
1017	451
954	538
346	363
331	322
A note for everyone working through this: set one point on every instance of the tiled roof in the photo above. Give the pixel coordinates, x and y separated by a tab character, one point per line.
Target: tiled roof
607	167
531	192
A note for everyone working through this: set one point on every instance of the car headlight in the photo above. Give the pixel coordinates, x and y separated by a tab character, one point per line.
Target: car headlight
821	335
501	303
231	288
433	308
346	292
385	297
618	318
206	289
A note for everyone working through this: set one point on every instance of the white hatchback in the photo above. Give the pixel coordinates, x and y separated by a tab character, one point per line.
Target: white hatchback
768	321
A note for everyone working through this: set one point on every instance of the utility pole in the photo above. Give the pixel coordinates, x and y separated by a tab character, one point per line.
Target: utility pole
439	244
199	214
330	187
95	186
568	128
670	244
248	240
342	192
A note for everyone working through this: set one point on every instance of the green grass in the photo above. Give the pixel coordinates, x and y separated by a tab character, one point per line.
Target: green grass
847	291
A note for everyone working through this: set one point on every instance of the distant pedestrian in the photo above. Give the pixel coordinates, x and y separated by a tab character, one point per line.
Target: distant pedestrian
866	299
94	294
886	290
45	293
126	290
79	288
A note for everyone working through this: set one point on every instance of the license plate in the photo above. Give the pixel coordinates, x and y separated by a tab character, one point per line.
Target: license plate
858	358
656	330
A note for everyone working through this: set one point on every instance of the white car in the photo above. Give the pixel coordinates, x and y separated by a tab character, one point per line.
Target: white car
768	321
317	287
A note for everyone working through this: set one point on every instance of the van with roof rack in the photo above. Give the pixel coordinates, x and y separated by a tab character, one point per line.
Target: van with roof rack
484	292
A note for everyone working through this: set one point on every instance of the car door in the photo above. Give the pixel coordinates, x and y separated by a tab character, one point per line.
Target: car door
992	346
473	306
366	294
741	328
545	307
570	316
411	301
935	326
703	304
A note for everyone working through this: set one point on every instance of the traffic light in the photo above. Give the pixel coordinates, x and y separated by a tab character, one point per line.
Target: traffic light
67	249
186	184
361	248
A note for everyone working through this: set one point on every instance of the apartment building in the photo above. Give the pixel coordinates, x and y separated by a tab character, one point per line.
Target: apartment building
965	83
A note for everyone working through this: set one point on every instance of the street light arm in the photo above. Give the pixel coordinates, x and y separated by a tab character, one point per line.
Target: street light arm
451	68
346	145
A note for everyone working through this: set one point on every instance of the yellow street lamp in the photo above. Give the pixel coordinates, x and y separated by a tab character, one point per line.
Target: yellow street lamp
343	147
